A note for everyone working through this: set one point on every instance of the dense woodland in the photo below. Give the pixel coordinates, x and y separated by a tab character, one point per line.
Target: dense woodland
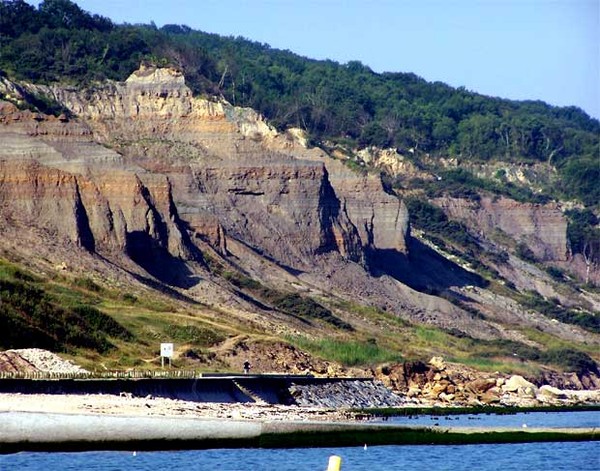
347	104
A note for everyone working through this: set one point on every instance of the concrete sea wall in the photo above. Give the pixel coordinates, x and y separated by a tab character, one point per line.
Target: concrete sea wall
265	389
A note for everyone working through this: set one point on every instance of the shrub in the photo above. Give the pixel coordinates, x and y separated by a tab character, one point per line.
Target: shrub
461	183
499	258
193	334
583	233
554	310
129	298
428	217
556	273
524	252
572	360
290	303
101	322
30	317
88	284
308	308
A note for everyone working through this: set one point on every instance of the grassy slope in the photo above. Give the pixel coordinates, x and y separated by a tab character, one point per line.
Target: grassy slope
152	318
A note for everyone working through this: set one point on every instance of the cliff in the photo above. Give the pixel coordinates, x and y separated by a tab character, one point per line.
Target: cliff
54	179
542	227
224	160
143	181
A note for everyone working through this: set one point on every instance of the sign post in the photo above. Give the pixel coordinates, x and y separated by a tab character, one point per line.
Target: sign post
166	351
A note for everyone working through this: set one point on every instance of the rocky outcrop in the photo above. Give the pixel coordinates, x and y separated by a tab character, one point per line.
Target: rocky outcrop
438	383
143	168
393	163
289	211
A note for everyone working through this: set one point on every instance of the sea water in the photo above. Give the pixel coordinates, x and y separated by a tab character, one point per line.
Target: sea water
559	456
579	419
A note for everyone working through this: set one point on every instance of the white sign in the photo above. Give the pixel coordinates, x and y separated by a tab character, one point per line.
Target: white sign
166	350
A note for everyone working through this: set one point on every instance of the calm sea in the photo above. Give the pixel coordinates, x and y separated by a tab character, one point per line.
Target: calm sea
581	456
579	419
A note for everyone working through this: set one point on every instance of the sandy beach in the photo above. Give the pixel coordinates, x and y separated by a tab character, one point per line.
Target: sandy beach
42	422
126	405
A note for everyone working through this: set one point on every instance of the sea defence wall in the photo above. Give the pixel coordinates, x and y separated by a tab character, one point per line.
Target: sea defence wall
263	389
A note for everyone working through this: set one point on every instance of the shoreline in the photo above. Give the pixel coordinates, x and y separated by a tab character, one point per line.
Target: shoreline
34	422
149	406
31	431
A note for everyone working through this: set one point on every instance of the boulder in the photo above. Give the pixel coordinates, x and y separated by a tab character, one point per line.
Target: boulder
515	382
490	397
438	388
481	385
446	397
438	363
527	392
550	392
592	397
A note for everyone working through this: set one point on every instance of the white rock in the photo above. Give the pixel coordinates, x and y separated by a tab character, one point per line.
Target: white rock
551	391
515	382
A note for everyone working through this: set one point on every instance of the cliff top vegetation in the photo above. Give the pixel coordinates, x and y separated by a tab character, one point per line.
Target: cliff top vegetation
346	104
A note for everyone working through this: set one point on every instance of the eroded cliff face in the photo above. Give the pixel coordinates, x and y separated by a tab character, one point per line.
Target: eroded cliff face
234	175
55	180
543	228
146	172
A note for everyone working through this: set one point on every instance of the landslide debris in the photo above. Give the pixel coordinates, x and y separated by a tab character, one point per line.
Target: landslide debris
31	360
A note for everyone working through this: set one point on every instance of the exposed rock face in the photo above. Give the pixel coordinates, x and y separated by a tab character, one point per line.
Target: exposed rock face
395	163
290	210
233	169
543	228
46	185
177	172
381	220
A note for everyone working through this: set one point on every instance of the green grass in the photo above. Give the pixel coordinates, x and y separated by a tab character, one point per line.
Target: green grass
372	313
504	352
9	271
121	328
501	365
347	352
31	317
551	342
193	334
80	317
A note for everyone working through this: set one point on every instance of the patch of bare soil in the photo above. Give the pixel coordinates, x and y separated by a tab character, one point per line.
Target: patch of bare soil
272	357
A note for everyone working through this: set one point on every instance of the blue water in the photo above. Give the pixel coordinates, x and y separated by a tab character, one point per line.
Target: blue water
581	456
578	419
